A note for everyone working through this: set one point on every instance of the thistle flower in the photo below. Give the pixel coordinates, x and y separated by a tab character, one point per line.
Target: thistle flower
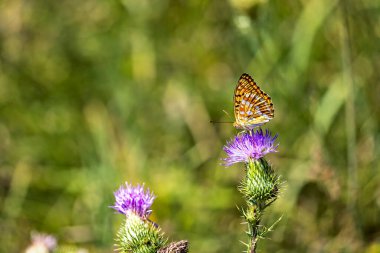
41	243
138	234
249	146
133	199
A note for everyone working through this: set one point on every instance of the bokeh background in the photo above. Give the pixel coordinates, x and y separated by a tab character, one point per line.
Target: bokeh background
94	93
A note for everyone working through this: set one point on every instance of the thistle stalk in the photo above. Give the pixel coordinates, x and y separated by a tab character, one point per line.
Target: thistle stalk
260	186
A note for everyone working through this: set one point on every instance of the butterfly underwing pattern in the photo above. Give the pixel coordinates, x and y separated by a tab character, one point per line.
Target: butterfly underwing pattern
252	106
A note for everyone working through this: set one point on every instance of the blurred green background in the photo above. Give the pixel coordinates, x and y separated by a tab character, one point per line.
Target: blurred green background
94	93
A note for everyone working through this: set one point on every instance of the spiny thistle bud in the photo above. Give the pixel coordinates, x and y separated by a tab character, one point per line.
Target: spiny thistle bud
139	236
261	184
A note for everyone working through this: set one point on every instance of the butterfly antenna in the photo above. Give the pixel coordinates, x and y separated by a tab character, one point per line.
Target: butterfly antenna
229	122
219	122
228	115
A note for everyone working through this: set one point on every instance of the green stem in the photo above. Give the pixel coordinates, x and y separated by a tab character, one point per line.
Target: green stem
253	236
253	220
260	189
348	79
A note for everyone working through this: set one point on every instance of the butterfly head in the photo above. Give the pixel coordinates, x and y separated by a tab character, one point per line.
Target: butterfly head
241	125
249	126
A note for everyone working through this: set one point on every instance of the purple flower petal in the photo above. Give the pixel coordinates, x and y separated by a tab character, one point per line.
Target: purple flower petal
249	145
47	241
133	199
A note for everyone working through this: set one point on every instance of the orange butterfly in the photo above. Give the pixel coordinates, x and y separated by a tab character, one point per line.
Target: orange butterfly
253	107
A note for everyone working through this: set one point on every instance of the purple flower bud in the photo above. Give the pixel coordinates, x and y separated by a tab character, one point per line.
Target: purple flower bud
249	146
133	199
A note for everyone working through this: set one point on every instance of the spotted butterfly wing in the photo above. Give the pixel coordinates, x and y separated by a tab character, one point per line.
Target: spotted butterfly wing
252	106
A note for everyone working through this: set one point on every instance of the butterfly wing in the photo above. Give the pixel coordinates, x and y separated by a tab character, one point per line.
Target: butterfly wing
252	107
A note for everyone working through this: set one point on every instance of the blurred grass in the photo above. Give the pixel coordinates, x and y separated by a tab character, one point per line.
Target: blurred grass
95	93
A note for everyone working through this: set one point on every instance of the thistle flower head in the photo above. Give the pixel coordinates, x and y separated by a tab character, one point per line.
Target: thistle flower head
133	199
248	146
41	243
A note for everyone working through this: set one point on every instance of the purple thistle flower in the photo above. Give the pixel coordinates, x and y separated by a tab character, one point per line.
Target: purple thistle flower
133	199
249	146
42	241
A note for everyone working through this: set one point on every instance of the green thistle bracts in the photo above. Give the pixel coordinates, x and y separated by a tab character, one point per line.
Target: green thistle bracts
139	236
260	185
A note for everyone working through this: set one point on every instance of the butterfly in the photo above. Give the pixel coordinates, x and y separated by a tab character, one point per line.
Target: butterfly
252	107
